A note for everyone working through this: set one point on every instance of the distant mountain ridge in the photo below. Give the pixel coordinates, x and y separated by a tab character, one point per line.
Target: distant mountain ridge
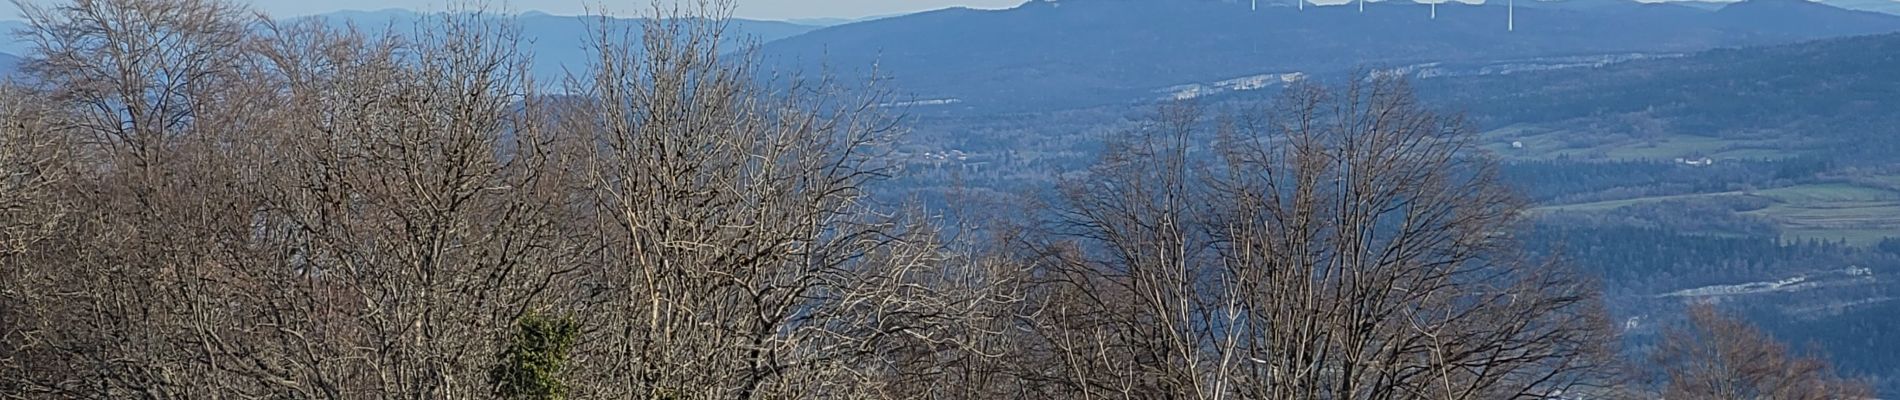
557	41
1880	6
540	24
1079	52
1085	52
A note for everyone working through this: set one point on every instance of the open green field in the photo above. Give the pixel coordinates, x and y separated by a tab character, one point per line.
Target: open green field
1545	143
1860	215
1615	204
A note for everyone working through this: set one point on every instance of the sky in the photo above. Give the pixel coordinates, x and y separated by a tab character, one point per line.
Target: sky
754	9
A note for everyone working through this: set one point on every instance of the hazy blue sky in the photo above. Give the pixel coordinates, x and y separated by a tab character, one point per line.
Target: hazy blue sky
761	9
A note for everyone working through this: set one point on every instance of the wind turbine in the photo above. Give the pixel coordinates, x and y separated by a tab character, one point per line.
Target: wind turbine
1510	16
1434	9
1362	6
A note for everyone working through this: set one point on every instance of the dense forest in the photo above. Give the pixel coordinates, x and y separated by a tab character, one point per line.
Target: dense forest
197	201
1824	96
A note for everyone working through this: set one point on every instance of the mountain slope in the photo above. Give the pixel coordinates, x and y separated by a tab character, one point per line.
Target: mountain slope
560	43
1084	52
1880	6
9	64
560	27
10	44
1827	93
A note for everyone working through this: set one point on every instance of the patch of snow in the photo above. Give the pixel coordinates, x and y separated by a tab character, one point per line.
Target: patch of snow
928	102
1700	162
1784	285
1258	82
1241	84
1439	69
1850	276
1859	271
1417	71
1188	91
1425	70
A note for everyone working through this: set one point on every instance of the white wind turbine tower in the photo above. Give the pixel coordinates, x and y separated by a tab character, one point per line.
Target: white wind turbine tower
1510	16
1434	9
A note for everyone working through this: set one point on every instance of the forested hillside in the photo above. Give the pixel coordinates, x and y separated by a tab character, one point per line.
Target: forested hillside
198	200
1826	96
1048	55
1675	172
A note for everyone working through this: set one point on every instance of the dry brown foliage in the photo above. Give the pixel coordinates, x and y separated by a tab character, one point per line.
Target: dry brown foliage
199	202
1716	356
203	203
1347	246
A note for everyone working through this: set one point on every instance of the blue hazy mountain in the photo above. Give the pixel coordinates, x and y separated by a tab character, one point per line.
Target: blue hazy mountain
560	43
551	27
837	21
557	41
9	43
9	63
1082	52
1880	6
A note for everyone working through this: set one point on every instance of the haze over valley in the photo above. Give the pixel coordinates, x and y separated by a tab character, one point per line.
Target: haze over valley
1561	199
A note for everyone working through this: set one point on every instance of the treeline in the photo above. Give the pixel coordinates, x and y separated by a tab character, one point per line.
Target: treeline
1657	260
1565	181
199	202
1861	339
1745	93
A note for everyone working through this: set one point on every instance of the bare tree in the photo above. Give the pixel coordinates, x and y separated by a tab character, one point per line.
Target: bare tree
738	257
294	210
34	160
1352	245
415	212
1716	356
204	203
310	214
34	163
138	85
